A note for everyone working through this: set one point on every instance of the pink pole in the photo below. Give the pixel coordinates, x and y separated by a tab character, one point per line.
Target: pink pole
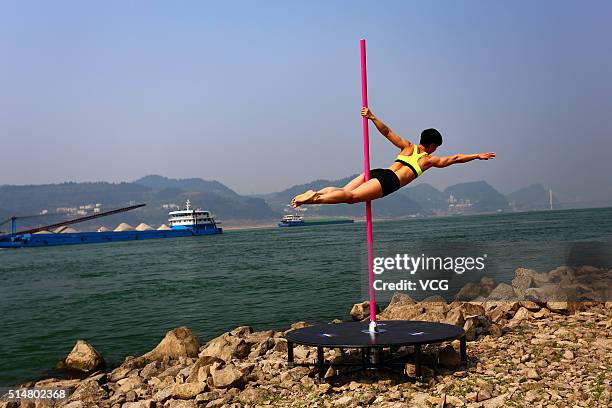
366	170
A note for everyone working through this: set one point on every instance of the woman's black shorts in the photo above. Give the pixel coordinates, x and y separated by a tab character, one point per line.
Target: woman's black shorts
387	178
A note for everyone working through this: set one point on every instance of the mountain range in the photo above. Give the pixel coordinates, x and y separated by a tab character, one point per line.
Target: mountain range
235	209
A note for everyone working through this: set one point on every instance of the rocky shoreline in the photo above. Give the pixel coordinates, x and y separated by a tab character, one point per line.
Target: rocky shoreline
523	352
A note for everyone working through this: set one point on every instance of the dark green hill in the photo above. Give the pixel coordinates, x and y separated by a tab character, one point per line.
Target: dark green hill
533	197
226	205
427	196
482	196
156	182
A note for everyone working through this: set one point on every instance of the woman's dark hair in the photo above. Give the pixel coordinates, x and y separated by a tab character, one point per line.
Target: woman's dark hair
429	136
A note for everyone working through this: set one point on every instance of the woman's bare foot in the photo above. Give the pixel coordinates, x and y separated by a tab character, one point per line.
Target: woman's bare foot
303	198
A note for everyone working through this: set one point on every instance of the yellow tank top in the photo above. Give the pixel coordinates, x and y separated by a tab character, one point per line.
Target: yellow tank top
412	161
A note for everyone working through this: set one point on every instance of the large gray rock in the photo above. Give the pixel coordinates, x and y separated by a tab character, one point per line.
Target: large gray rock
254	395
503	291
188	390
139	404
83	357
565	307
88	392
226	347
179	342
402	311
228	376
469	291
449	357
401	298
474	290
455	317
360	311
172	403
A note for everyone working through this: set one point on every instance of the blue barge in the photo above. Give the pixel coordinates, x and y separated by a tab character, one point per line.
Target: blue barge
183	223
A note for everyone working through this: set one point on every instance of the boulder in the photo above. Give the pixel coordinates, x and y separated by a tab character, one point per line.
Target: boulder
226	347
529	305
469	291
474	290
361	311
545	293
148	403
472	309
521	283
449	357
201	369
400	298
83	357
520	316
172	403
495	330
487	283
564	307
179	342
88	392
227	377
564	274
455	317
503	291
542	313
299	325
402	311
254	395
188	390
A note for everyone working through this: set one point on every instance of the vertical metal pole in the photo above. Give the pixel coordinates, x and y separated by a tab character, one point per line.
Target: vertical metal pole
366	171
417	362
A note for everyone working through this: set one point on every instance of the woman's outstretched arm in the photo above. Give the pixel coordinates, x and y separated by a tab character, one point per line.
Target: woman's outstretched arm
394	138
435	161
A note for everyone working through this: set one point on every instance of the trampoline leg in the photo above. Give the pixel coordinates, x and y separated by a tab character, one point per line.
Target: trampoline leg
320	363
417	362
363	358
463	349
289	354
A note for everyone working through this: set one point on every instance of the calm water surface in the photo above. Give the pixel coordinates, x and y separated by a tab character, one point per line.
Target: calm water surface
123	297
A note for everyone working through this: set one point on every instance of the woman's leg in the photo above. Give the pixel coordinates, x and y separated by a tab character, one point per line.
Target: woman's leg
306	198
354	183
329	190
365	192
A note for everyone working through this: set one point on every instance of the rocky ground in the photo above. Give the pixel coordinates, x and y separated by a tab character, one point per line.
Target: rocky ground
522	353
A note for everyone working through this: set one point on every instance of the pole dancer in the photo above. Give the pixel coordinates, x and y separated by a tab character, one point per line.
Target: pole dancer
413	159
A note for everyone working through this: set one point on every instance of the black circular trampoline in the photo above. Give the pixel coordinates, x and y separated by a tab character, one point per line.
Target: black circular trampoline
393	334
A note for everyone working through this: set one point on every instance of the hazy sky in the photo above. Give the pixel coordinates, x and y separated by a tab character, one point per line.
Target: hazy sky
262	95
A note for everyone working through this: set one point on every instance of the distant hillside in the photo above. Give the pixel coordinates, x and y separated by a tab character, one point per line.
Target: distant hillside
156	182
162	194
31	199
482	196
426	196
227	206
533	197
394	205
278	201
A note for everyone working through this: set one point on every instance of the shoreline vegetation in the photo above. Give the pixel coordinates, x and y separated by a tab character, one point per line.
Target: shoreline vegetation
526	348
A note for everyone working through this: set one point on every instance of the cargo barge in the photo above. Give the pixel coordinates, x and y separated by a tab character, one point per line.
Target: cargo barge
183	223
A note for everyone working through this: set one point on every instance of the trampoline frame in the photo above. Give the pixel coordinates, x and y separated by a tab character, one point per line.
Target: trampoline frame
366	353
